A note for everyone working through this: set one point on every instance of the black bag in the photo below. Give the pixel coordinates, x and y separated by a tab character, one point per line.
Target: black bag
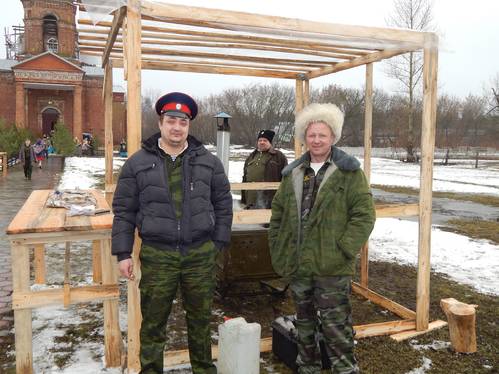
284	337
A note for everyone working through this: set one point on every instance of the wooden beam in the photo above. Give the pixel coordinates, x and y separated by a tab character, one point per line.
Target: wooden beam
39	264
384	302
425	189
180	34
57	237
31	300
209	44
22	318
113	33
133	309
396	210
172	358
133	58
368	117
412	333
96	262
254	186
298	108
219	56
108	123
367	59
383	328
241	20
266	73
251	216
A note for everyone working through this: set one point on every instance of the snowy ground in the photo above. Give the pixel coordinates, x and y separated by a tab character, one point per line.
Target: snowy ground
468	261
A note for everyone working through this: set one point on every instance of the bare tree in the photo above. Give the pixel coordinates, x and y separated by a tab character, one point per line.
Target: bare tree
408	68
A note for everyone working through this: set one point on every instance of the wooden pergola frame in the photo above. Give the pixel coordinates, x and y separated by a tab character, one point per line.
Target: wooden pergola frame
158	36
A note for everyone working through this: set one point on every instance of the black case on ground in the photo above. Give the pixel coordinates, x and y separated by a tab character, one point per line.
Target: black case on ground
284	343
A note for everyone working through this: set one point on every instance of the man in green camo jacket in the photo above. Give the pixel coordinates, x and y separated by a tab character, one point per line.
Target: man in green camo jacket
322	214
177	195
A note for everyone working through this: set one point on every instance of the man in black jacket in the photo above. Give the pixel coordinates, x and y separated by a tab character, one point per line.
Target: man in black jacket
177	195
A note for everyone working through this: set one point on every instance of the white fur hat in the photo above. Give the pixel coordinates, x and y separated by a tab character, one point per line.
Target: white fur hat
330	114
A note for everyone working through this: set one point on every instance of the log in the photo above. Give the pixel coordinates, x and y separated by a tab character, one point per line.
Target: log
461	318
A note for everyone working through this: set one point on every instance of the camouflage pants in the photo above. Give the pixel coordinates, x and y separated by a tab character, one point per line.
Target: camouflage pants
162	273
330	296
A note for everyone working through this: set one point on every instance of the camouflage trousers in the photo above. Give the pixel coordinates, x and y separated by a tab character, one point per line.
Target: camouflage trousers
162	273
330	296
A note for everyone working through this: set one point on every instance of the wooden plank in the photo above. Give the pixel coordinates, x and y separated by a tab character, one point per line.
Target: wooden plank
240	20
149	31
113	343
118	17
55	296
108	123
306	92
396	210
133	58
134	313
32	217
425	189
254	186
179	357
210	69
363	60
96	262
251	216
57	237
383	328
39	264
298	108
22	318
364	252
412	333
384	302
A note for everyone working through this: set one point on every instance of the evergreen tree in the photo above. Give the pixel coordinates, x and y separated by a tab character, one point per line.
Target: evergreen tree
62	140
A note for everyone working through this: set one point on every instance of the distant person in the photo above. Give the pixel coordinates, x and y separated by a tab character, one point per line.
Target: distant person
39	149
264	164
123	152
322	214
27	158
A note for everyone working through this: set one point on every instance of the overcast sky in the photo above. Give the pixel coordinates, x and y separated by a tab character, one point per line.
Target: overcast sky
469	43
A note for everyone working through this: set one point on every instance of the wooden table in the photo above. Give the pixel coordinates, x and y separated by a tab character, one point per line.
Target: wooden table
36	225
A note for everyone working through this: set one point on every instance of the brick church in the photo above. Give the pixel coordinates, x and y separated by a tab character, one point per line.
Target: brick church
43	81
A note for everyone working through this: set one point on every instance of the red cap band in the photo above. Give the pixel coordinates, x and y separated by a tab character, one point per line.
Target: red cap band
176	107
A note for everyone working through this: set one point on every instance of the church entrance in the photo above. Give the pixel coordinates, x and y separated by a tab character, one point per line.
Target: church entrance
50	116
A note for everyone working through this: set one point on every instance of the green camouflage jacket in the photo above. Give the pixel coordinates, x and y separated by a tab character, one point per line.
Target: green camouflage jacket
338	225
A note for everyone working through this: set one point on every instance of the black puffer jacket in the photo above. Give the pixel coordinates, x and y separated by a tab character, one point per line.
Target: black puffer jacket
142	199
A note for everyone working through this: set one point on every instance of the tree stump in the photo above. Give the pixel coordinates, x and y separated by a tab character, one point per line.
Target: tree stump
461	318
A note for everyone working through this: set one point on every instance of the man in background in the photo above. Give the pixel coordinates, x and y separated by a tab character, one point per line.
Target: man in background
264	164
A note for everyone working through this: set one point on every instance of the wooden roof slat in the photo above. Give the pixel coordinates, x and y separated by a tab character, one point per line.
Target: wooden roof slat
210	69
305	42
119	15
218	18
209	55
210	44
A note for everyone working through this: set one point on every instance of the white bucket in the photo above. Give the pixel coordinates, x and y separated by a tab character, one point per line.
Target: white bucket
239	347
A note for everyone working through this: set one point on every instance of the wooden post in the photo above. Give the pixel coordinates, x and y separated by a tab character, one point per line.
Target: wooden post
306	92
5	161
22	317
39	264
425	191
133	59
96	262
461	318
368	122
77	112
298	108
112	334
108	128
134	312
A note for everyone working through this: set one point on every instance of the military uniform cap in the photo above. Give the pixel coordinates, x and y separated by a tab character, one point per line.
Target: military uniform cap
177	104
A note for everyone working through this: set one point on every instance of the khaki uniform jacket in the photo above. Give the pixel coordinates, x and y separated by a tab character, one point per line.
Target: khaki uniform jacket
339	223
